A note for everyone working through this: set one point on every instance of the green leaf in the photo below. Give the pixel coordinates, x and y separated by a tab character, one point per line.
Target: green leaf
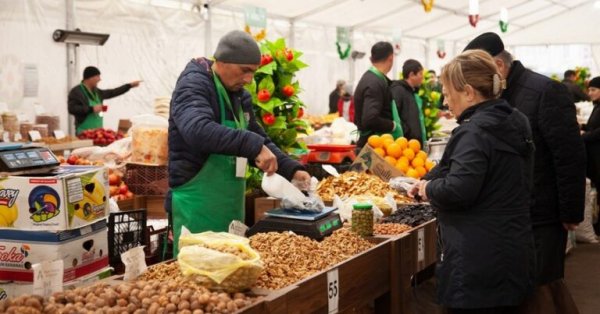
267	83
289	136
279	123
268	69
285	79
299	64
268	106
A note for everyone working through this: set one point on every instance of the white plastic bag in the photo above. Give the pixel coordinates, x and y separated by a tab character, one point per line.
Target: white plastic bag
585	231
290	195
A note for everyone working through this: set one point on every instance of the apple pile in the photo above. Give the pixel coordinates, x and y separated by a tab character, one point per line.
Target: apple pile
101	136
75	160
119	191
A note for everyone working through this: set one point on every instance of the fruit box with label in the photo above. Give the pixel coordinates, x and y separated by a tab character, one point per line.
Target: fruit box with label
368	159
67	198
83	251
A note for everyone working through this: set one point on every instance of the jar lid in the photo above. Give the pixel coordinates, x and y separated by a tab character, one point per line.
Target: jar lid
362	206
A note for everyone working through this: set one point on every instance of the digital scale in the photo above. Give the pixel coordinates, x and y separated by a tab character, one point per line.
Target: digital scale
313	225
16	159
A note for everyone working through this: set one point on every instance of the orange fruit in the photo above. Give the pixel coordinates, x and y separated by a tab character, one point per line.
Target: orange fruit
414	145
390	160
421	171
387	135
418	162
429	164
412	173
387	141
421	154
380	151
403	142
409	153
404	160
375	141
402	166
394	150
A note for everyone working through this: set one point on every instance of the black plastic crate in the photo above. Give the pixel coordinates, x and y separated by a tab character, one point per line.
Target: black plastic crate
126	230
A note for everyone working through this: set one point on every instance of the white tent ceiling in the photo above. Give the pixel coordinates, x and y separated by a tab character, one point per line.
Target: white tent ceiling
530	21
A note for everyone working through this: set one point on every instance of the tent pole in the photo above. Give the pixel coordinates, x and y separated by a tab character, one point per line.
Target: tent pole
72	59
351	60
208	30
292	41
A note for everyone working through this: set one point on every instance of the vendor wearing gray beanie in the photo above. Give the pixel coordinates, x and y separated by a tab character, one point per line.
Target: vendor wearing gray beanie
213	133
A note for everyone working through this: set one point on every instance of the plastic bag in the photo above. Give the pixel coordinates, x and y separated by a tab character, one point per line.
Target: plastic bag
291	196
219	261
585	231
149	139
345	206
402	184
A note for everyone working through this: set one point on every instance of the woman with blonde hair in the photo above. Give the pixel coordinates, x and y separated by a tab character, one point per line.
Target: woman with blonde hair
481	190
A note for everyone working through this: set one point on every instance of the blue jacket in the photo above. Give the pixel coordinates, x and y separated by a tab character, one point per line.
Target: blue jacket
195	131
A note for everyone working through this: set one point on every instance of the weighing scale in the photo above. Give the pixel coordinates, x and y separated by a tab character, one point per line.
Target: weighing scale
17	159
313	225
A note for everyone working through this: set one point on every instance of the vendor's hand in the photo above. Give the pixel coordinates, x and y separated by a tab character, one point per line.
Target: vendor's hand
570	226
302	178
135	83
97	108
414	189
423	190
266	161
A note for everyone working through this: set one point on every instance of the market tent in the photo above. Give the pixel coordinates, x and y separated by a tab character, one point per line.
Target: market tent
153	39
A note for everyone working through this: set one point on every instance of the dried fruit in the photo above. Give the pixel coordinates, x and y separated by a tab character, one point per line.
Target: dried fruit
353	183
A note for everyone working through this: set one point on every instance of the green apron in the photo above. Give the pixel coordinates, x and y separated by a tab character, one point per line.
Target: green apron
395	116
93	120
215	196
419	101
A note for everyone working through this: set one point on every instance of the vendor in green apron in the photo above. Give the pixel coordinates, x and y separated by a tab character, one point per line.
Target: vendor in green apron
376	111
86	100
213	135
410	105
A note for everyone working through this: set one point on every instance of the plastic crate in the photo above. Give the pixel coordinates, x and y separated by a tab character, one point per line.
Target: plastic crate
156	244
147	180
126	230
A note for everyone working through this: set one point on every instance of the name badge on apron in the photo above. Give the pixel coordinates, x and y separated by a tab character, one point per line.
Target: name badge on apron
240	166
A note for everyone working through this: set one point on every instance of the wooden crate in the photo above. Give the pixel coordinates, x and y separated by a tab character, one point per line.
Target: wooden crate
155	206
362	279
426	245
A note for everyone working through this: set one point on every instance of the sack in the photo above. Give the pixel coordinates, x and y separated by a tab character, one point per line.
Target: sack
219	261
585	231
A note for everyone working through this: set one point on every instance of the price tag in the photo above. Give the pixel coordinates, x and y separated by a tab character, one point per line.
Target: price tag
18	137
421	245
48	277
39	109
135	262
238	228
59	134
333	291
35	136
240	167
6	137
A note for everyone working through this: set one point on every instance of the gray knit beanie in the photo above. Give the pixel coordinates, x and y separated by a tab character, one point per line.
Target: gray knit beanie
239	48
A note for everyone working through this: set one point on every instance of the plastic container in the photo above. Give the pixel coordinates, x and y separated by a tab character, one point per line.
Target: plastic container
149	140
126	230
362	219
53	122
24	128
42	128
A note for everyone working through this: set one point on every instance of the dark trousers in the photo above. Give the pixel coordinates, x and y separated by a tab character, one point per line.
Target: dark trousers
550	245
490	310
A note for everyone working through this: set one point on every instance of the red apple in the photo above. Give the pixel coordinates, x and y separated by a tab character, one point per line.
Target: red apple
114	179
123	189
72	160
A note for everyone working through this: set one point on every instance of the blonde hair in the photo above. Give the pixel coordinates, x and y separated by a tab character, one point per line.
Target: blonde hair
477	69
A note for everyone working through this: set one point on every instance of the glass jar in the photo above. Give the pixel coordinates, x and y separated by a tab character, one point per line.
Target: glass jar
362	219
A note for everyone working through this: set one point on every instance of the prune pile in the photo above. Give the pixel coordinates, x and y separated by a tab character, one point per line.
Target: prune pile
412	215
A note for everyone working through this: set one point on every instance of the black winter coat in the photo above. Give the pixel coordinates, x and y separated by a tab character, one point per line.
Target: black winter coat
372	101
559	173
482	189
195	129
576	92
404	95
591	137
79	105
334	97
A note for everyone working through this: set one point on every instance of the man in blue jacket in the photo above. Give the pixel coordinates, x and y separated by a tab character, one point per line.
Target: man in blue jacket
213	133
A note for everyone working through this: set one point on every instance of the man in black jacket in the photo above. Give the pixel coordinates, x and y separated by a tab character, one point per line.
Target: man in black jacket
559	171
574	89
406	94
372	99
86	99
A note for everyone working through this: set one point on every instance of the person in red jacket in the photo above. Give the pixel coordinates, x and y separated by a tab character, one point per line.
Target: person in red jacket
346	104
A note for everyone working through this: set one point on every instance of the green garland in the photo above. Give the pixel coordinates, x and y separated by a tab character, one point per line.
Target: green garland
343	55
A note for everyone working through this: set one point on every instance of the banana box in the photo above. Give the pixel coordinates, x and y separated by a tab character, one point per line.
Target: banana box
67	198
83	251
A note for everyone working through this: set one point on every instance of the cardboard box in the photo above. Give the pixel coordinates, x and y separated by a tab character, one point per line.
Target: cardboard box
13	289
83	251
369	160
154	205
263	204
68	198
124	126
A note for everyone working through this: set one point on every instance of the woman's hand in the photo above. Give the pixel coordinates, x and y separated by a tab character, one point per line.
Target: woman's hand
418	192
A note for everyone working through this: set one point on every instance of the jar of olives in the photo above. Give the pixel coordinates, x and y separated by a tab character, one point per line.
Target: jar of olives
362	219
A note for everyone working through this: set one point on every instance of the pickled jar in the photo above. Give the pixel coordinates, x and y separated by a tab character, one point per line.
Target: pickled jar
362	219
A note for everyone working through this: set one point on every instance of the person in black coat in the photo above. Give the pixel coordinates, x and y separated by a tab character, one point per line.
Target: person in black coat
591	134
406	92
481	190
576	92
559	172
85	100
372	97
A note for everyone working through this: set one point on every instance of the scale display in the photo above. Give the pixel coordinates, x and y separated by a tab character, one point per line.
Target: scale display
22	159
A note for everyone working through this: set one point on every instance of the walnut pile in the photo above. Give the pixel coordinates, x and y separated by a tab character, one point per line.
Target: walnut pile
357	183
390	229
288	258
